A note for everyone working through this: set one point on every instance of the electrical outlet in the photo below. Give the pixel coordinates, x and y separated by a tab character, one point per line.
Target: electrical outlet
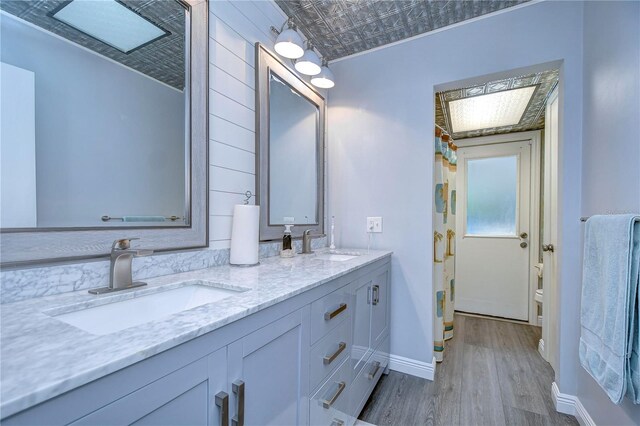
374	224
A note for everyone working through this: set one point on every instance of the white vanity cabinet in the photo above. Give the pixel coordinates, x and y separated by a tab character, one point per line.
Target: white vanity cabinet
180	398
370	350
267	371
370	296
312	359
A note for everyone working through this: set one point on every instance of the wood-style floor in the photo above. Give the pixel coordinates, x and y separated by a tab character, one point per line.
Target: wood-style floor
492	374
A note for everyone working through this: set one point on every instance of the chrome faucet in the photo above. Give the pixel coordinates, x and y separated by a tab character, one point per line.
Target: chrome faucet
306	242
120	275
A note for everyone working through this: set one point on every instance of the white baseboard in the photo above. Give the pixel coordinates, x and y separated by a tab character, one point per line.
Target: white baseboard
570	404
541	348
414	367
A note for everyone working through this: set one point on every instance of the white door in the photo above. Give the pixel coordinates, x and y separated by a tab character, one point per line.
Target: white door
550	230
492	259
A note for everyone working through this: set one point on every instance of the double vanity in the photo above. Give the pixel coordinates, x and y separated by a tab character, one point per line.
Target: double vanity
291	341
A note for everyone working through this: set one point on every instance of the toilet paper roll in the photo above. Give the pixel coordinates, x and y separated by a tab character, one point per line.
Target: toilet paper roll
244	235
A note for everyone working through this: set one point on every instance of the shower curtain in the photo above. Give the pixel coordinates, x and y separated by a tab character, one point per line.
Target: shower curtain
444	224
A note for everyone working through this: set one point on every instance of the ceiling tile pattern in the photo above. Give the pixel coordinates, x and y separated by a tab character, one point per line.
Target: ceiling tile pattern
532	119
163	60
340	28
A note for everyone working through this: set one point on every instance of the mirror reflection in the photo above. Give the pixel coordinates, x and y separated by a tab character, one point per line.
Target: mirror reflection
293	173
94	105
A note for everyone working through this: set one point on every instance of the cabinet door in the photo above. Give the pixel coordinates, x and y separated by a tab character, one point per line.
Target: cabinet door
361	348
379	307
184	397
270	369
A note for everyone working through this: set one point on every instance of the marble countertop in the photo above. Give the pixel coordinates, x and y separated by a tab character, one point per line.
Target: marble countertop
43	357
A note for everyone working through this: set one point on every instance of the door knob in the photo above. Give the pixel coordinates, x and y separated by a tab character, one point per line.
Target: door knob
548	247
523	244
524	235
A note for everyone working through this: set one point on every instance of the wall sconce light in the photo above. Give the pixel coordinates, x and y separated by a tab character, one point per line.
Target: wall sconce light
309	63
289	43
324	79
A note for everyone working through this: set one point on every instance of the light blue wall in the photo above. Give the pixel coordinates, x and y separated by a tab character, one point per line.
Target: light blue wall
105	134
611	145
381	124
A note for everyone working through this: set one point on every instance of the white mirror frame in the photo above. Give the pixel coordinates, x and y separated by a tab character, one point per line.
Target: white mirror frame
28	247
267	62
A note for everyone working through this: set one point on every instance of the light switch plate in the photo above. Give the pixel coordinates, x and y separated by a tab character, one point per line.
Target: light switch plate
374	224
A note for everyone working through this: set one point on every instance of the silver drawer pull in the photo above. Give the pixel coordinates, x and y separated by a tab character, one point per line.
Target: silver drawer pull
327	403
238	388
222	401
376	367
337	422
328	359
376	294
333	314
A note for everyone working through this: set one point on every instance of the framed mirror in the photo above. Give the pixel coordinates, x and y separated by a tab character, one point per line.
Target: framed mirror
104	127
290	150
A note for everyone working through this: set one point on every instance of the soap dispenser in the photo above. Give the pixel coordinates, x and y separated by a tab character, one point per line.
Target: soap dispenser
286	239
287	248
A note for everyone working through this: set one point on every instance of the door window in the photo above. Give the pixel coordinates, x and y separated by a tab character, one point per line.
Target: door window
492	186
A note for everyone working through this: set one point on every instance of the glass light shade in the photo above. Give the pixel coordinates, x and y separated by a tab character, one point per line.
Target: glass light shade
325	79
289	44
487	111
110	22
309	63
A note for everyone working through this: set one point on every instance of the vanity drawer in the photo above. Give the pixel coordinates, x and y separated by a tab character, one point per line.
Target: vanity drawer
328	312
329	406
329	352
366	380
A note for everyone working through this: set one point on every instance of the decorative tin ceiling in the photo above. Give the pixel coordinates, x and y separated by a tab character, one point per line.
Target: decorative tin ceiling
163	60
532	119
340	28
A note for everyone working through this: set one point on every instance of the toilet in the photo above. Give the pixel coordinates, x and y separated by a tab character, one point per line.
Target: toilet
538	297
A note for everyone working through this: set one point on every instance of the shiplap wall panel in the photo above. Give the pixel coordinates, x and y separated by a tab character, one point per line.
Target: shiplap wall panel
232	40
221	130
232	64
221	203
249	10
228	180
232	158
224	107
252	32
232	88
271	12
220	228
234	28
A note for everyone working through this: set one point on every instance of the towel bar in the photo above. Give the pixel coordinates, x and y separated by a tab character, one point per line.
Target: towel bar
121	219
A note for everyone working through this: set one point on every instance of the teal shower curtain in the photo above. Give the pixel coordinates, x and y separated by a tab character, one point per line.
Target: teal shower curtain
444	224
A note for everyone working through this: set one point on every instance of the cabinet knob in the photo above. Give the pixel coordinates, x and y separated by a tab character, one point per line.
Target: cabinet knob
238	388
222	401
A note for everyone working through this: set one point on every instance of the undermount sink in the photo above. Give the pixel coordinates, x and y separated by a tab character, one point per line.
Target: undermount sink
146	305
337	257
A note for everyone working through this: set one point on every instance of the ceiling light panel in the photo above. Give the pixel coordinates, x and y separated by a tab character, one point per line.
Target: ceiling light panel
488	111
111	22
